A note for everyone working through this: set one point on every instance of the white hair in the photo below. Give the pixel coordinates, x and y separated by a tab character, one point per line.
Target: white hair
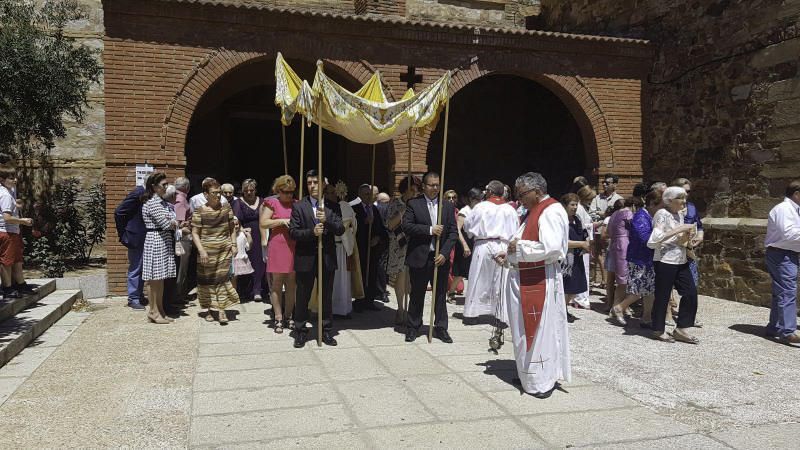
170	193
182	184
532	180
226	186
671	193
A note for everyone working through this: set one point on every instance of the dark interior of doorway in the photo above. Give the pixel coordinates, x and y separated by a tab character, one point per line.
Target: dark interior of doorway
502	126
239	137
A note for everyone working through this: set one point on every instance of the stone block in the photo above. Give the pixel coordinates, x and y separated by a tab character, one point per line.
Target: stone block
776	54
694	441
751	225
790	150
437	391
383	402
768	436
721	223
787	112
343	364
785	133
493	432
243	400
576	399
784	89
741	92
243	379
760	208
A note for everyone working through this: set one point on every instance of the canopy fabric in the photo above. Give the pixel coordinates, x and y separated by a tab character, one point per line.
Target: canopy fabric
364	116
292	95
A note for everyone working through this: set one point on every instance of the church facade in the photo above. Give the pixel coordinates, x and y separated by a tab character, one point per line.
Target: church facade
188	86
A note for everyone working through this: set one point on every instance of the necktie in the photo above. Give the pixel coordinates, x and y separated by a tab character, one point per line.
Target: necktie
314	210
432	212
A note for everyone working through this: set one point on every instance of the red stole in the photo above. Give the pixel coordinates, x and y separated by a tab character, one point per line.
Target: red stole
533	277
496	200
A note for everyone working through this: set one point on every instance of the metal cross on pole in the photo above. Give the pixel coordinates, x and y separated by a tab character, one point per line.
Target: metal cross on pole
411	77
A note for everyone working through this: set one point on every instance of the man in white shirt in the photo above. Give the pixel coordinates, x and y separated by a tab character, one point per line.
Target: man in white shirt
783	244
199	200
602	202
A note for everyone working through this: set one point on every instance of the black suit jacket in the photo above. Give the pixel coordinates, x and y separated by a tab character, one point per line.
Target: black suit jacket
128	219
378	227
417	224
301	229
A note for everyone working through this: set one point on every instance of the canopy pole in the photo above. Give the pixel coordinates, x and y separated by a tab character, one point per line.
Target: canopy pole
300	180
369	230
285	160
320	288
406	290
439	220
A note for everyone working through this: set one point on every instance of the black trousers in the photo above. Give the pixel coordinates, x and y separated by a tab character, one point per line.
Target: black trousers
375	281
305	285
680	277
419	285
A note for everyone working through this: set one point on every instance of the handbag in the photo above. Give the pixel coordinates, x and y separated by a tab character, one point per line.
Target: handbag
179	250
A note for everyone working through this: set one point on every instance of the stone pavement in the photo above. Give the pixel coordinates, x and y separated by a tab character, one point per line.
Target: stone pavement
108	379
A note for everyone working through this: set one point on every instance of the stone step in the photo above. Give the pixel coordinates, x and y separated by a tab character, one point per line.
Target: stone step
11	306
19	331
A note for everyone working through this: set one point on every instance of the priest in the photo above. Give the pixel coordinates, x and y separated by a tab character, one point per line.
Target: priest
534	294
491	223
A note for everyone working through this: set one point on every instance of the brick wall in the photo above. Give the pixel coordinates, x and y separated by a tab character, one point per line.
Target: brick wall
158	67
722	109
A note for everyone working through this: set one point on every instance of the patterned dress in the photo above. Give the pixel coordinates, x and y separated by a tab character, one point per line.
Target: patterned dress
396	256
158	259
214	288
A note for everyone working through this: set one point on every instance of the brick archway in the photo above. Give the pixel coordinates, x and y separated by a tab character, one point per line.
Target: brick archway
579	100
206	74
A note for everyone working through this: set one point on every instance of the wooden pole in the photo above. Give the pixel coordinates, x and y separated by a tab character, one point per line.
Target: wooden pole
439	219
405	298
300	180
285	160
369	230
321	184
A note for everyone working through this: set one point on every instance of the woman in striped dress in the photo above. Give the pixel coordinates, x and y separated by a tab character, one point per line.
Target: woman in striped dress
158	259
214	236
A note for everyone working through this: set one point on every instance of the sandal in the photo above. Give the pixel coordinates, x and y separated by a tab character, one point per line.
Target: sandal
663	337
617	316
278	327
209	317
683	337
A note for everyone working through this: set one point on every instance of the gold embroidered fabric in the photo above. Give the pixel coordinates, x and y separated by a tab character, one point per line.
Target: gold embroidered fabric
364	116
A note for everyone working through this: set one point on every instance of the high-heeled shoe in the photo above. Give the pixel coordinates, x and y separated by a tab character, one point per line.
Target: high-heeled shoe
156	319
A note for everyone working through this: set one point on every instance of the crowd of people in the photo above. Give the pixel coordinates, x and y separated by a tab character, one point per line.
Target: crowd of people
527	257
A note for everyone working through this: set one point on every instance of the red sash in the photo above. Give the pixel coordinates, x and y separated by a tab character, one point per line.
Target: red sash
496	200
532	276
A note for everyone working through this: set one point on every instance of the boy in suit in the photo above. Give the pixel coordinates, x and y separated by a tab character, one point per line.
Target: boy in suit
309	221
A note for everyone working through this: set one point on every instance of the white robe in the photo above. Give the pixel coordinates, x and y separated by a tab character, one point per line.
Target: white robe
492	226
548	360
342	292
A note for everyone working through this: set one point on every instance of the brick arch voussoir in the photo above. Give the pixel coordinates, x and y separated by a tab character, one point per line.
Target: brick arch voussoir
204	75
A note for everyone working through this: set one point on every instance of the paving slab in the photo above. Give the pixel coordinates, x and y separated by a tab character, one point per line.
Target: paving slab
599	427
266	425
776	436
325	441
247	362
578	398
256	378
278	397
381	402
346	364
494	433
437	392
407	360
688	441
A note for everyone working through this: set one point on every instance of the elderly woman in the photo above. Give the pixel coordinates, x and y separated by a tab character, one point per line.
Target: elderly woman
158	260
248	210
670	239
639	259
573	271
618	239
275	215
396	265
214	236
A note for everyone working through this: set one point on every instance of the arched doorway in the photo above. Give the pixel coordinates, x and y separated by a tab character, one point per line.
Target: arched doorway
504	125
235	134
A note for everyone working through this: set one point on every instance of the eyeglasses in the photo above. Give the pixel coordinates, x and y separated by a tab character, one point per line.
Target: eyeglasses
214	192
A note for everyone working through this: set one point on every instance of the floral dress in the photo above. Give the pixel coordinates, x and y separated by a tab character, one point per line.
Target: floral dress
396	256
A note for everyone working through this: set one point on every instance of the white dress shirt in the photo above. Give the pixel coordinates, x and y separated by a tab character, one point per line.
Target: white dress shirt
199	200
433	210
783	226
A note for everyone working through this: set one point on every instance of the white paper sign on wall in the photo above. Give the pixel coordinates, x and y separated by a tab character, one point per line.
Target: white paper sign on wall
142	172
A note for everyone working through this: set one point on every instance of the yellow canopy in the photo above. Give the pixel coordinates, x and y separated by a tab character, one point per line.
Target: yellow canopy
364	116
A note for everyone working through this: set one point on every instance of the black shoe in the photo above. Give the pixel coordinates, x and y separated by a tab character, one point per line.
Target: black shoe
385	298
370	306
411	335
516	381
327	339
299	339
546	394
571	318
25	288
442	335
470	321
11	293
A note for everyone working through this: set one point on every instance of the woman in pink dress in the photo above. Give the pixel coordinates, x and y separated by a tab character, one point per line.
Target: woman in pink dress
618	237
275	215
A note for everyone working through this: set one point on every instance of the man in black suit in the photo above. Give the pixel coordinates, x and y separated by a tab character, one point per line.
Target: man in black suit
368	217
308	222
131	232
419	225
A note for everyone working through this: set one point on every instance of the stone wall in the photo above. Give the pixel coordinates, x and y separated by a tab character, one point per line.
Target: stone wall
721	107
484	13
